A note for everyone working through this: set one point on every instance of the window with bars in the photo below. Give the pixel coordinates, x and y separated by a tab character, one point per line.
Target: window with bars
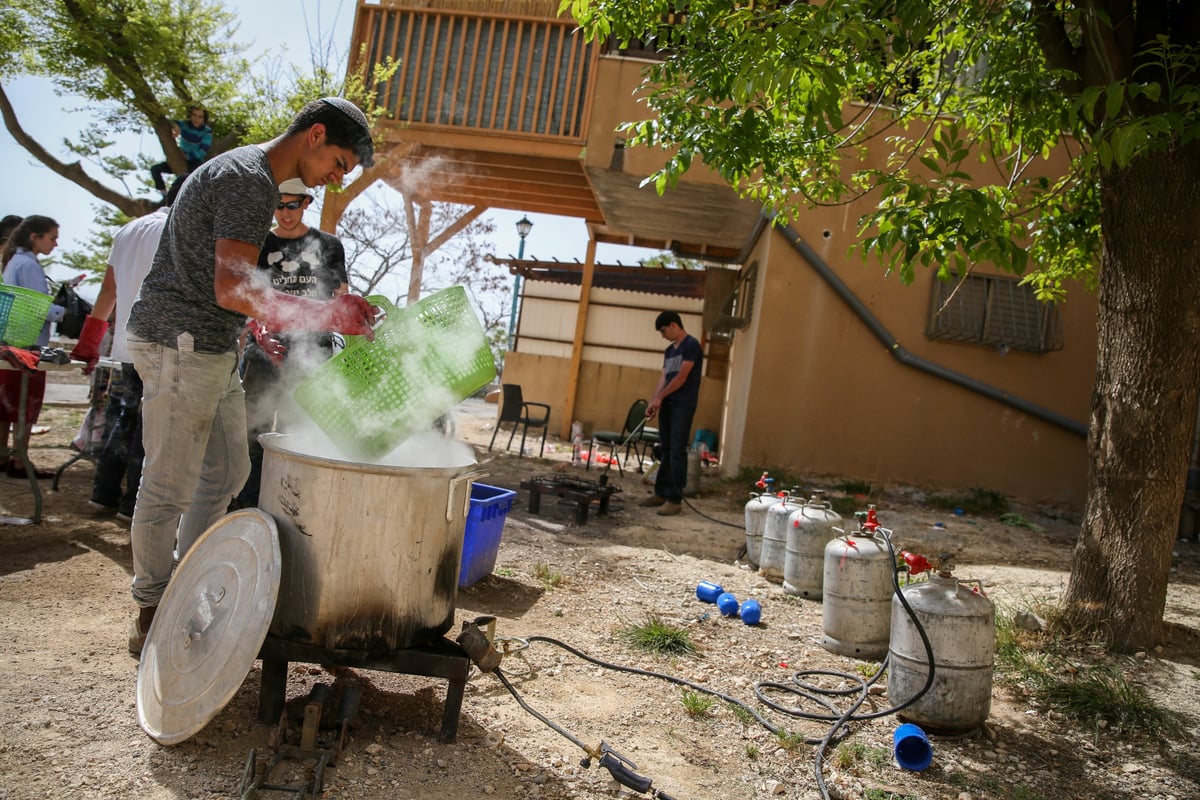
993	310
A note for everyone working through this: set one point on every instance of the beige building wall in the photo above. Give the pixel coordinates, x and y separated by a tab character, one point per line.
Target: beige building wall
814	391
619	330
616	102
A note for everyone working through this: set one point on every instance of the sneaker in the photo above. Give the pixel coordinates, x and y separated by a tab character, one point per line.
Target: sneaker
98	506
140	628
669	509
123	517
652	501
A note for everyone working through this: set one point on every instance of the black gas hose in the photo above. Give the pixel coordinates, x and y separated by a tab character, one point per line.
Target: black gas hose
624	771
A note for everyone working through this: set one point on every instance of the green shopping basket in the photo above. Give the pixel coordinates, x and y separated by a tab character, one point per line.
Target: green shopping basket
26	316
425	359
6	302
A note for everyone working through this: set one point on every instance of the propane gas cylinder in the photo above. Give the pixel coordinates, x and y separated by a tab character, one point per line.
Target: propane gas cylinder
856	615
691	487
756	518
809	529
961	626
774	538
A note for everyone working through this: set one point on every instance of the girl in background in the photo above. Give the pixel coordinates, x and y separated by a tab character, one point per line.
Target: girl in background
34	236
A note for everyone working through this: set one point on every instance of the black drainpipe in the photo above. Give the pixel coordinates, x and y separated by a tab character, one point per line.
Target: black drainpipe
908	359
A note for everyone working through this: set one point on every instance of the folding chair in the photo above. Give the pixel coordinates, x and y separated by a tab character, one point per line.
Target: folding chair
520	414
632	441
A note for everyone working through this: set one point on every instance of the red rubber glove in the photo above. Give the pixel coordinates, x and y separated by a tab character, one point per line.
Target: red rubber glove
88	347
349	314
269	343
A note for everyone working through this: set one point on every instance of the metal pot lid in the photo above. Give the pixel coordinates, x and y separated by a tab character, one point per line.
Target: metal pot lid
210	624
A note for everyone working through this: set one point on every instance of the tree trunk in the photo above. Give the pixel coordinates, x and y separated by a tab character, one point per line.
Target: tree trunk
1144	402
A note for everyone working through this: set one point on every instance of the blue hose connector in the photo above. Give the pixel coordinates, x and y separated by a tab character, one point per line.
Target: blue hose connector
912	748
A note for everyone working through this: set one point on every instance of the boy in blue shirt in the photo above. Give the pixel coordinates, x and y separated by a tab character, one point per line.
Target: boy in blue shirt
195	138
674	400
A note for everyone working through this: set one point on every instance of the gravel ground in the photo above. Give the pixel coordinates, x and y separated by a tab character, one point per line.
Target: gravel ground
68	712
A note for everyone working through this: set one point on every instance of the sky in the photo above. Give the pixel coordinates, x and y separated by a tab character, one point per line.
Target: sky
280	27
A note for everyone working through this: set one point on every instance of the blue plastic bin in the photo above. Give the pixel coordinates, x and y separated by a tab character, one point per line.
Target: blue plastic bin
481	537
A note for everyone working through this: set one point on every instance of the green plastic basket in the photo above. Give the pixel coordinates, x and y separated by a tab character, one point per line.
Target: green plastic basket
26	316
6	301
425	359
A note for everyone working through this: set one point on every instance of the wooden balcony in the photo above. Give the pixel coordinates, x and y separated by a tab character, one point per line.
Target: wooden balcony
501	103
486	108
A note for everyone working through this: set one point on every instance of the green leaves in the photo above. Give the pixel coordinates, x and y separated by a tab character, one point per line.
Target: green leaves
137	60
994	147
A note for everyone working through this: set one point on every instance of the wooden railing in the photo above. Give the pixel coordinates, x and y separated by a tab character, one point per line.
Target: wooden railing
523	76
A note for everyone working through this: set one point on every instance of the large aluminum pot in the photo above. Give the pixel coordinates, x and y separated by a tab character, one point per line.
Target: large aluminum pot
370	552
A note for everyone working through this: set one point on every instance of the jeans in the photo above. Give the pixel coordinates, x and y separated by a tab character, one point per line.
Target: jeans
674	425
269	404
156	172
194	434
121	456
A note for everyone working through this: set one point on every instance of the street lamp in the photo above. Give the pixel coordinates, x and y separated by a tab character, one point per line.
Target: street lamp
524	226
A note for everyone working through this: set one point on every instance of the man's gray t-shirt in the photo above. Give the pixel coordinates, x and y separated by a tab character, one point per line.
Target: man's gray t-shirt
232	196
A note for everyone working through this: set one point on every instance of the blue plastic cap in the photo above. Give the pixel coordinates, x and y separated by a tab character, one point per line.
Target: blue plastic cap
708	592
750	612
727	604
912	748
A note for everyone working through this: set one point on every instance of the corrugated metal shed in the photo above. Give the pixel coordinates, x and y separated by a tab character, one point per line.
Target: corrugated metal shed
652	280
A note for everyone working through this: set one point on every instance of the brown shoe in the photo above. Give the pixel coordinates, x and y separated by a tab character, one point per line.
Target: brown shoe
652	501
669	509
140	628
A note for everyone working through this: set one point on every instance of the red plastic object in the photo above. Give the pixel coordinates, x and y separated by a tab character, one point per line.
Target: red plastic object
872	522
916	563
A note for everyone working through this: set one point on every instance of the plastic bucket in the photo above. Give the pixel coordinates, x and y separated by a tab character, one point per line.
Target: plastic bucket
26	316
481	537
425	359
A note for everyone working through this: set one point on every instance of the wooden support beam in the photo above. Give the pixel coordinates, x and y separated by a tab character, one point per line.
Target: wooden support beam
416	216
454	227
581	315
335	203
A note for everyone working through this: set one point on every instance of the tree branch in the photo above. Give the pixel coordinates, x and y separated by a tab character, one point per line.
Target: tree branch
120	62
130	206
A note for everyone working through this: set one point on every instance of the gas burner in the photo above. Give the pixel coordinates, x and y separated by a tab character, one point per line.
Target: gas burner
573	484
577	490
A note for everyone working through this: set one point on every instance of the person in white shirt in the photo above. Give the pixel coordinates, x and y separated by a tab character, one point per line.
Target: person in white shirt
120	458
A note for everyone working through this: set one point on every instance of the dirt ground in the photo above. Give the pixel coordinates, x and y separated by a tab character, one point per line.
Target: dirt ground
67	703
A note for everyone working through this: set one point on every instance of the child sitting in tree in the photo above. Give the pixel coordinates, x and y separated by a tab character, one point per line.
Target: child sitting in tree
195	137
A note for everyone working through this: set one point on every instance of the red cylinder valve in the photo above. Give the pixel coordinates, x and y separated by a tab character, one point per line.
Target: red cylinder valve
916	563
